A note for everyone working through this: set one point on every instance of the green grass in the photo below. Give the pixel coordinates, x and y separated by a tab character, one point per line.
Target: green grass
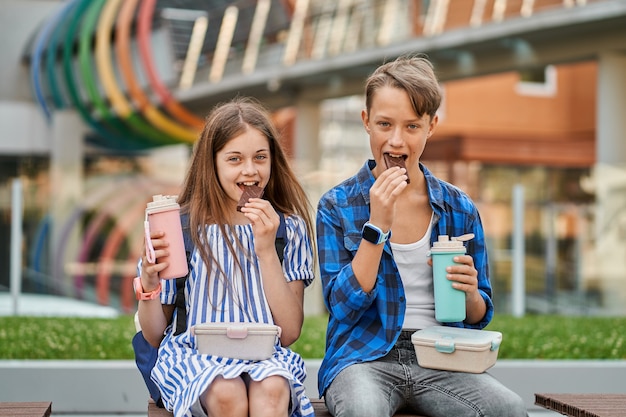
66	338
531	337
559	337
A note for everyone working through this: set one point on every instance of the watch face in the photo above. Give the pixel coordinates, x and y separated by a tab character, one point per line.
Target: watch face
370	234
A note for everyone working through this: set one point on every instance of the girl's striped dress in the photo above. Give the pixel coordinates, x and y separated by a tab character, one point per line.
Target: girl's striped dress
180	372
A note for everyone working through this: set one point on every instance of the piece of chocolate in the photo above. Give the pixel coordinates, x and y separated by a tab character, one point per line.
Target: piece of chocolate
396	161
249	191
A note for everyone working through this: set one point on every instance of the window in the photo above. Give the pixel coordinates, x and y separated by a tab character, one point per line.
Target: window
537	82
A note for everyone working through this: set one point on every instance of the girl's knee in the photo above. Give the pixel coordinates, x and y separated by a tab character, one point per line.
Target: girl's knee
270	393
225	394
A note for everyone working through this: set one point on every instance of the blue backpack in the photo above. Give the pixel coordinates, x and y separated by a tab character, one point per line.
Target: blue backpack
145	353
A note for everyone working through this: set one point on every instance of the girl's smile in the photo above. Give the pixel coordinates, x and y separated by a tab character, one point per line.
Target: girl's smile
244	161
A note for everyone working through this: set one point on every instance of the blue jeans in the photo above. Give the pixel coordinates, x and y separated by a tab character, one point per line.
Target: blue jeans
396	382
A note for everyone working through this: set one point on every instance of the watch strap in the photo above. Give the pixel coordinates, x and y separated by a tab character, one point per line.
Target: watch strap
374	234
141	295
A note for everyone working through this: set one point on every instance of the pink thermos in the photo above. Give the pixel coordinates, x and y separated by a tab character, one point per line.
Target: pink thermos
163	214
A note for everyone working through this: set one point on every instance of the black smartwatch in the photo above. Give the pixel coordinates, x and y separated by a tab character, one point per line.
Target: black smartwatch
374	234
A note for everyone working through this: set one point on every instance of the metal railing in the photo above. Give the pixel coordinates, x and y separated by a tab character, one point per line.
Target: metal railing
323	29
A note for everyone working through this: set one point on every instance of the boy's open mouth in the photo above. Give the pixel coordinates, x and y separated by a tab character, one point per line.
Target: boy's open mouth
396	161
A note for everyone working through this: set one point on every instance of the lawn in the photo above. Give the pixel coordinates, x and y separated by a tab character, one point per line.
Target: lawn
531	337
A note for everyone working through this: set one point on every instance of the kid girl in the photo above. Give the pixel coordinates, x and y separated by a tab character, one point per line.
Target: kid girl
235	273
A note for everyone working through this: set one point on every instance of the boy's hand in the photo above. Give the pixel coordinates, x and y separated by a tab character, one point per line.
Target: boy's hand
464	277
383	195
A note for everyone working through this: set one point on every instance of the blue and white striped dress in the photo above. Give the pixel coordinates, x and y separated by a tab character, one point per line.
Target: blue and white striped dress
180	372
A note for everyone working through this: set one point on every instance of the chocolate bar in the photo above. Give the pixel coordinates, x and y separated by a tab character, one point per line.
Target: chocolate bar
396	161
249	191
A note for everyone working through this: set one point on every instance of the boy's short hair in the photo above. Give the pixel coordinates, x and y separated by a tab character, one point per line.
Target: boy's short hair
413	74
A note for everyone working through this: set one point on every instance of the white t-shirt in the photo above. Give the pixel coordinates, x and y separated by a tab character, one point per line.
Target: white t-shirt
417	278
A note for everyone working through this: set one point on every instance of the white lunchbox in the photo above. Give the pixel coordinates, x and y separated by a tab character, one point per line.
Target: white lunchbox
456	349
251	341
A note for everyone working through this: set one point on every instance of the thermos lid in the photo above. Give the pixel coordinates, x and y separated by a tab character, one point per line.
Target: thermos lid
162	201
444	243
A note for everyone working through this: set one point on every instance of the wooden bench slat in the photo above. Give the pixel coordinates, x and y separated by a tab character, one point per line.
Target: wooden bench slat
25	409
584	405
318	406
154	411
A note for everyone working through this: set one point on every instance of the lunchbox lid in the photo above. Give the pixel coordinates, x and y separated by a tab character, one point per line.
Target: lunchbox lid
447	339
236	330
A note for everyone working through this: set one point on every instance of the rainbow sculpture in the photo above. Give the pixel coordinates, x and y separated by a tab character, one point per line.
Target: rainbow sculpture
82	58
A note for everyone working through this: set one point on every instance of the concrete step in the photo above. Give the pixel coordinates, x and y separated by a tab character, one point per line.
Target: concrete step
116	387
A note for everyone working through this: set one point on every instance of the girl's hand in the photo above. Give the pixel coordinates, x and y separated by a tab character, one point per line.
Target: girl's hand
383	195
265	222
153	316
150	271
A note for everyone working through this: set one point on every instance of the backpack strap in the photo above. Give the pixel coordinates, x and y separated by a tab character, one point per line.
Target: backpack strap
281	238
179	303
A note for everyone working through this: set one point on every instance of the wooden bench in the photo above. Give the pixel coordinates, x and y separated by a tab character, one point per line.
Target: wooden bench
318	406
25	409
584	405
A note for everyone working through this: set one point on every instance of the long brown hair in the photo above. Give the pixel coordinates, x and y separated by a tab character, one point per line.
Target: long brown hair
203	197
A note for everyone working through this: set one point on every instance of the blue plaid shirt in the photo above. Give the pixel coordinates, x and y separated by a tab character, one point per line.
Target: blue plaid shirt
364	326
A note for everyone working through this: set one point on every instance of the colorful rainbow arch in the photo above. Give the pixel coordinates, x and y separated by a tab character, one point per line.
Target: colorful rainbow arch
82	58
